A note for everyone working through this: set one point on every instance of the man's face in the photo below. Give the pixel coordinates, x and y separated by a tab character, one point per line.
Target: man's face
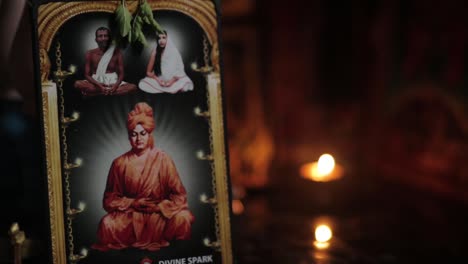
102	39
139	138
162	41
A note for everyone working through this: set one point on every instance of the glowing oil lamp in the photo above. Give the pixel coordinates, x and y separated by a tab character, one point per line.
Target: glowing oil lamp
324	170
323	234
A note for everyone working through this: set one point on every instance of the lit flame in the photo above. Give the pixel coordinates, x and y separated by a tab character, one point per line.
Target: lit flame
84	252
75	115
237	207
323	233
194	66
323	170
81	206
200	154
72	68
203	197
326	164
78	161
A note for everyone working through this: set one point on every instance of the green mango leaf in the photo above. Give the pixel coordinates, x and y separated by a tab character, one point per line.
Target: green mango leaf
137	25
132	28
123	19
148	16
137	33
146	9
138	19
142	39
130	36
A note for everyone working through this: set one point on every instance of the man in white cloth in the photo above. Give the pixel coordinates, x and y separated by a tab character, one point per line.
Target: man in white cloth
104	69
165	71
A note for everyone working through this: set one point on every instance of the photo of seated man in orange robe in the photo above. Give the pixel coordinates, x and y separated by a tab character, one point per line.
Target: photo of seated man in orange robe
145	200
104	69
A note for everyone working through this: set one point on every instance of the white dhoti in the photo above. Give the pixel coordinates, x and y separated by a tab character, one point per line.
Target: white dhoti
107	78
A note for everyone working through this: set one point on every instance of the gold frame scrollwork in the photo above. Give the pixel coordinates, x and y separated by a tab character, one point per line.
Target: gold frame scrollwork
51	17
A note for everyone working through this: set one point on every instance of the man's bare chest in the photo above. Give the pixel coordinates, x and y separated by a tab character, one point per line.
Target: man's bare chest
96	59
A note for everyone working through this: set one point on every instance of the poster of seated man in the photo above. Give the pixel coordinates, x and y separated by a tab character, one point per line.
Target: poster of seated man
145	199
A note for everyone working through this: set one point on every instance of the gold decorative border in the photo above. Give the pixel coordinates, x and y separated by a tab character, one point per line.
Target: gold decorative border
54	171
220	167
51	17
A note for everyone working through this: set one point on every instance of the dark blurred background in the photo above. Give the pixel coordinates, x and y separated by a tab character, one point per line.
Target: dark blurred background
380	85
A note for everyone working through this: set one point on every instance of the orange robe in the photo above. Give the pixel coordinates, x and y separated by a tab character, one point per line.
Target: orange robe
125	226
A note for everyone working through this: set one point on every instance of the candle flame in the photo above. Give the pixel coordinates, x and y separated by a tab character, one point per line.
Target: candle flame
326	164
200	154
203	197
324	170
75	115
237	207
78	161
81	206
84	252
72	68
323	233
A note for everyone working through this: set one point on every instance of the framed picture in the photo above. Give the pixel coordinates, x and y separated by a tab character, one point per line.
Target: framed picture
134	131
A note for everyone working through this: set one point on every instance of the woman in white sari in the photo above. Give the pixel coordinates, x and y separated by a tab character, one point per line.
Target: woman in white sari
165	71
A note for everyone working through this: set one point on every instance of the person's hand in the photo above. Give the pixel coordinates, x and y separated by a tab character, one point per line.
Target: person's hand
114	88
102	88
161	82
146	205
172	81
107	89
141	203
151	208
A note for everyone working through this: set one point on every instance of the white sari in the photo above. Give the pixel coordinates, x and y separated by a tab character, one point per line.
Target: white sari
171	66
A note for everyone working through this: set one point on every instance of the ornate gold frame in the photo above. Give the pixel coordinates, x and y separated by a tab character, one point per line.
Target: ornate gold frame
51	17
